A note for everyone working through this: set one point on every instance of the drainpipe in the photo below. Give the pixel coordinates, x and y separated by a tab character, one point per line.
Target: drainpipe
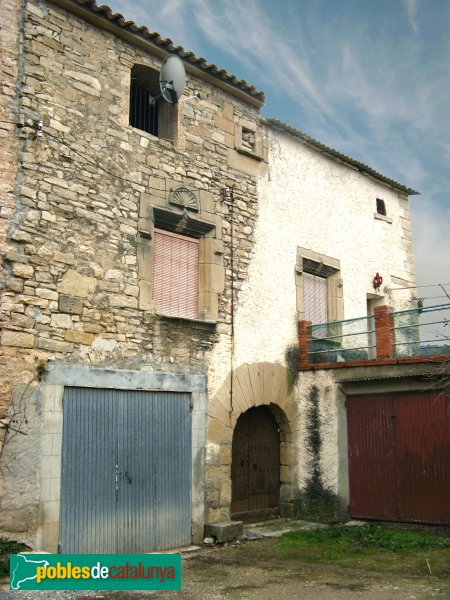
229	198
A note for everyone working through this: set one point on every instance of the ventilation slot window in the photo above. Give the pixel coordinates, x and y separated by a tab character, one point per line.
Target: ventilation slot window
381	207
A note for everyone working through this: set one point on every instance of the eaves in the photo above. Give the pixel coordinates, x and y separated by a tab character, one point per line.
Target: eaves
338	156
103	17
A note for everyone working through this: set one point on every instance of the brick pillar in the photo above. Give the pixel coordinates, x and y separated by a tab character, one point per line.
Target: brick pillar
384	332
304	343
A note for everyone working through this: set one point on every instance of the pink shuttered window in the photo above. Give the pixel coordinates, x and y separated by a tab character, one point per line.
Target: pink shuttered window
175	275
315	298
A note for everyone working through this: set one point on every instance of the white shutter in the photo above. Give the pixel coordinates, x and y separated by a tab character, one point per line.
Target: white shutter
175	275
315	298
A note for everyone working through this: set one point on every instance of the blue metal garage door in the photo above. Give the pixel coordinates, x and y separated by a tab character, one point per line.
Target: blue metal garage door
126	471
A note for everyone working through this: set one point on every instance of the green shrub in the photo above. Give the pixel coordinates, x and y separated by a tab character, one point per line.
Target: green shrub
8	547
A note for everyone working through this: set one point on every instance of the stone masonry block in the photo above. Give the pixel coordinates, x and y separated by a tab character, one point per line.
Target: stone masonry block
224	124
79	337
217	274
197	532
228	111
17	339
75	284
54	345
287	453
225	492
287	474
218	473
23	271
70	304
61	320
218	411
225	455
225	531
218	432
207	202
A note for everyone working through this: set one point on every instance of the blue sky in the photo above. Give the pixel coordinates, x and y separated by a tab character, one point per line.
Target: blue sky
370	78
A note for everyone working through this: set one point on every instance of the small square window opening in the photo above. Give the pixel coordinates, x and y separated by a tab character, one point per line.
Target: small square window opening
381	207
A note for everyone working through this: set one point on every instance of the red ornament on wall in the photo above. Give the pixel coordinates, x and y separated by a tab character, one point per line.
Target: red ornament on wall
377	281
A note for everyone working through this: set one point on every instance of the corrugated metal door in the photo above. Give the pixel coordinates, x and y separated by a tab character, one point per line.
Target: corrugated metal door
126	471
255	467
399	456
88	472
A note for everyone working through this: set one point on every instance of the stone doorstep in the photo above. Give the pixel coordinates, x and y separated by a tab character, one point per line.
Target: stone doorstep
228	531
277	527
225	531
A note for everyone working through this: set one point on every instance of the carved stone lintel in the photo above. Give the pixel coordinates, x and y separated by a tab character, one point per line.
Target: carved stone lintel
183	196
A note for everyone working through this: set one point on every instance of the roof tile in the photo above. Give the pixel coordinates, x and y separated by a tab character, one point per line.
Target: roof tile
168	45
360	166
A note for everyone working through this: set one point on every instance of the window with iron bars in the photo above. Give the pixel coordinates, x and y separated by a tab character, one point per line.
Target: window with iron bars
149	112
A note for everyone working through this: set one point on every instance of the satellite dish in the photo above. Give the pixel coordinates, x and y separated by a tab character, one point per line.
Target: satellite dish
172	79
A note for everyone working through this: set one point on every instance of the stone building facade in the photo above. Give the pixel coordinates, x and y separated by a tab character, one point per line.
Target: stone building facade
88	201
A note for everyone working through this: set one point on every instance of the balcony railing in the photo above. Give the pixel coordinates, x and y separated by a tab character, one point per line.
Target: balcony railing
387	335
422	331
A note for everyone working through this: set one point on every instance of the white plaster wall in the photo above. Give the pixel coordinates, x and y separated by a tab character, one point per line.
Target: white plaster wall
310	200
327	389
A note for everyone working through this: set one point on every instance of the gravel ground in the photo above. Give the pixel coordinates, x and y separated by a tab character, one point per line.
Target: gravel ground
229	573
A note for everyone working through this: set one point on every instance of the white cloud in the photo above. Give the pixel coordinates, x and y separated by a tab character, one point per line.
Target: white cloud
411	7
431	241
263	50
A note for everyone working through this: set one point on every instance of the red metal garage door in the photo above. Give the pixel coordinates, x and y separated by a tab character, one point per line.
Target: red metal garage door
399	456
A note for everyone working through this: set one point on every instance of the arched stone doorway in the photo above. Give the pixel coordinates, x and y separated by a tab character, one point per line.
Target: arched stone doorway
268	385
255	465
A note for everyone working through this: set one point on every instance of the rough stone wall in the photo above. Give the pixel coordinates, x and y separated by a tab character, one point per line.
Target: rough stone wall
71	268
73	276
10	52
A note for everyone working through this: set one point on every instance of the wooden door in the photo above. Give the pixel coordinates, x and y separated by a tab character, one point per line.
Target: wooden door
255	468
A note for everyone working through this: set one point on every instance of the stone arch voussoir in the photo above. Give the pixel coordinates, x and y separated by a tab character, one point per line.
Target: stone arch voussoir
252	385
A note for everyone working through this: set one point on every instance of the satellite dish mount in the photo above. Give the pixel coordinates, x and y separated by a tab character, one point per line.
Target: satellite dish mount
172	79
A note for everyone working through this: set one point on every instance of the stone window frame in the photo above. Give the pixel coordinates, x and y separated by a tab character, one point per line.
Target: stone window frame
330	268
162	209
245	126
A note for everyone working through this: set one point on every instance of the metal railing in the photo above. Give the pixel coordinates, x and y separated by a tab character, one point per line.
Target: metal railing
422	331
342	341
419	332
